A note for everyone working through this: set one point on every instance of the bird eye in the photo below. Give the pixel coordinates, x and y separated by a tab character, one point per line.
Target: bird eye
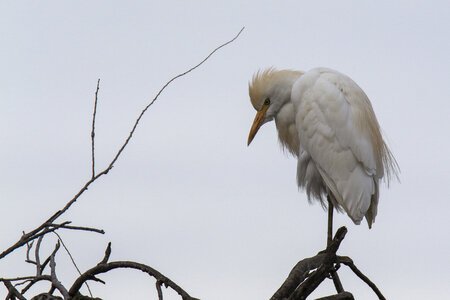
267	101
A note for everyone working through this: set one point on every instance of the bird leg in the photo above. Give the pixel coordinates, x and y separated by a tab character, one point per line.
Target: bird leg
334	274
330	220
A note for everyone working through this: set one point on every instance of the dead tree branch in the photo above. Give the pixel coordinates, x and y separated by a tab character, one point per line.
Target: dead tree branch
309	273
50	226
302	280
55	282
105	266
12	291
43	228
93	129
72	259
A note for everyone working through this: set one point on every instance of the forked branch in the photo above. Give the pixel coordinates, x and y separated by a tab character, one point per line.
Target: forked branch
309	273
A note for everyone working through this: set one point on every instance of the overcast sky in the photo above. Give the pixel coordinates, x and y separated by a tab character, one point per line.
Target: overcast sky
188	197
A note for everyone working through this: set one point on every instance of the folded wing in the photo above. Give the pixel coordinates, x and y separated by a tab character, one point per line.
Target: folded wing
338	129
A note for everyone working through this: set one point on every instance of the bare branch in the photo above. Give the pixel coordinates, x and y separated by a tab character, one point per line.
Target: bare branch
55	282
314	280
37	256
103	268
93	129
158	288
35	280
161	90
30	279
12	291
28	259
48	259
298	274
83	228
107	254
41	230
17	278
300	282
73	260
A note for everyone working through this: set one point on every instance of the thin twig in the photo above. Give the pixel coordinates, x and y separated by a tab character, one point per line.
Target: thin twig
161	90
28	259
83	228
73	261
93	129
37	232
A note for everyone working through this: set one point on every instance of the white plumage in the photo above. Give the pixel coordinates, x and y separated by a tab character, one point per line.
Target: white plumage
326	120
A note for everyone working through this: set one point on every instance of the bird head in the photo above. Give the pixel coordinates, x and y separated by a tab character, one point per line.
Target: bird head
269	90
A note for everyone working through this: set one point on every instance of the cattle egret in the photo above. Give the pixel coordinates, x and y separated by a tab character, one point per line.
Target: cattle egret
325	119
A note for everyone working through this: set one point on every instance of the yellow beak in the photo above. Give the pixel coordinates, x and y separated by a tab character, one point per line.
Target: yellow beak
259	119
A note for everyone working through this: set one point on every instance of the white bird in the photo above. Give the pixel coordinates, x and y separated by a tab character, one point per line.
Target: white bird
325	119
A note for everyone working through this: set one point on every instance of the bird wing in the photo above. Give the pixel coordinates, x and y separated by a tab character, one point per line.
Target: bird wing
332	116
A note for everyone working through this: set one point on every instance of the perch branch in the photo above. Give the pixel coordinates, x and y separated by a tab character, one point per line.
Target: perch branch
298	274
300	282
313	281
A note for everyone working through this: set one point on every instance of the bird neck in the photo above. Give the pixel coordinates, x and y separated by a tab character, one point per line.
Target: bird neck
282	83
284	110
287	131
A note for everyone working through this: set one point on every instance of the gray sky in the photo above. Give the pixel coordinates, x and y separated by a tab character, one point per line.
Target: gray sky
188	197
